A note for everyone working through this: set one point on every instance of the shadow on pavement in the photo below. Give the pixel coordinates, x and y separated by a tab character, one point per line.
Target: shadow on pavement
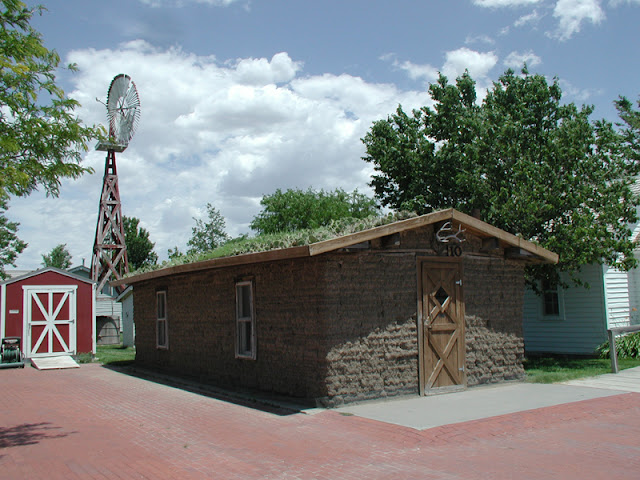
28	434
273	404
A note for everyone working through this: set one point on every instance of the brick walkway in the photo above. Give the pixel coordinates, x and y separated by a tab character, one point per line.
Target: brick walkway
95	423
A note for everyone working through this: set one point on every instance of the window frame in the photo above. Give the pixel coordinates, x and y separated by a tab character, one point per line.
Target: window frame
162	319
242	321
559	300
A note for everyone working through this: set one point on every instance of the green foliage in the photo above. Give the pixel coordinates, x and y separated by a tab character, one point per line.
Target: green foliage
627	346
297	209
59	257
41	138
274	241
528	163
206	236
630	126
562	369
173	253
10	245
139	247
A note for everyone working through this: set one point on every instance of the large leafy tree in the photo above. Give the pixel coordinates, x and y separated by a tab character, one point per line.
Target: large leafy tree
207	235
41	138
527	162
297	209
58	257
139	247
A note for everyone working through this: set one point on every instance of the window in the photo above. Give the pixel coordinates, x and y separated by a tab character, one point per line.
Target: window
550	299
162	334
245	321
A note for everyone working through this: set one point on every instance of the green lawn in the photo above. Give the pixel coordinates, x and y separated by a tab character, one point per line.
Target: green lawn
111	355
552	369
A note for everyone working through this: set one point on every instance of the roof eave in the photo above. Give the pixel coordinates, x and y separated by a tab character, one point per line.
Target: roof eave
471	224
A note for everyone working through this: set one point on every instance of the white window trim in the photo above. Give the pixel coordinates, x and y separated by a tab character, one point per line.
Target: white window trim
241	320
164	319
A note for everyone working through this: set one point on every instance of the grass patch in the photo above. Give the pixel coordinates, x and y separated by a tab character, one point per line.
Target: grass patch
561	369
275	241
110	355
115	355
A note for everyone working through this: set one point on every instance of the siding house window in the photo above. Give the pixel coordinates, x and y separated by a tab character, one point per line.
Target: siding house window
245	321
162	331
550	299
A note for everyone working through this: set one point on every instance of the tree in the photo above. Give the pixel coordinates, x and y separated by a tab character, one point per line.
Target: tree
41	138
59	257
530	164
297	209
10	244
173	253
139	247
206	236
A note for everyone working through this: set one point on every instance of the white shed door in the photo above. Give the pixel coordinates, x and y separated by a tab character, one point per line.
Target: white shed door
50	320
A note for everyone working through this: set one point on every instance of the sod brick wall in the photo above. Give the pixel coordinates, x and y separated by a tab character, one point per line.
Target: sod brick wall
201	315
371	326
493	294
335	328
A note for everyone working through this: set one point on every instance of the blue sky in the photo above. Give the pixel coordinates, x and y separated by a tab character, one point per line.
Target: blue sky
240	97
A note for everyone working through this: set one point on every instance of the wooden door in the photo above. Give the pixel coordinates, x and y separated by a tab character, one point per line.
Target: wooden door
50	318
443	346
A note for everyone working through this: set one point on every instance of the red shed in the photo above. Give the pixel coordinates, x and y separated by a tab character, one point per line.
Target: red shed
52	310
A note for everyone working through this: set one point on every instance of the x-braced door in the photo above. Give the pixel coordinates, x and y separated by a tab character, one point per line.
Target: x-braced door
443	346
50	320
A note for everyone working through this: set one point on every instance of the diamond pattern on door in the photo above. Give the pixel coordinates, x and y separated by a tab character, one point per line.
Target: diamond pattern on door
443	355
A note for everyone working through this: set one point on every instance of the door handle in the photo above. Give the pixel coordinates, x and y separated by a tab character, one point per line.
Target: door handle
459	282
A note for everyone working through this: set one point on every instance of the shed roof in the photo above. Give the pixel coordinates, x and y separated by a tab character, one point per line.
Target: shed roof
471	224
44	270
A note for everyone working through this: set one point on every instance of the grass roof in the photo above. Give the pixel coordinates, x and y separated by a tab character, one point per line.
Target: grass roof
267	242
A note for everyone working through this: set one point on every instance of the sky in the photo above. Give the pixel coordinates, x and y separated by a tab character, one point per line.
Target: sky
243	97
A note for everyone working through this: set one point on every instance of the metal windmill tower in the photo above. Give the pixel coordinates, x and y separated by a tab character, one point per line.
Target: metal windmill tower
109	261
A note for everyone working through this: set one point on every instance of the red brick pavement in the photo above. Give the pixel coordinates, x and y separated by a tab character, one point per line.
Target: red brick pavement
99	424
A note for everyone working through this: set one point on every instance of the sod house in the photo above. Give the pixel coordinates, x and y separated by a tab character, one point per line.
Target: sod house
425	305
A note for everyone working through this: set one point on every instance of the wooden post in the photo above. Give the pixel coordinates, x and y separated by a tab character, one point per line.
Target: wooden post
612	351
612	343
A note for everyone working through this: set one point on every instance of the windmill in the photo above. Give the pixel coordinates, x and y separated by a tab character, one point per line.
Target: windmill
109	261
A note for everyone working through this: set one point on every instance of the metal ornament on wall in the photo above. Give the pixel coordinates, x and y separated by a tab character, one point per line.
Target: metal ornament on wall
109	261
448	240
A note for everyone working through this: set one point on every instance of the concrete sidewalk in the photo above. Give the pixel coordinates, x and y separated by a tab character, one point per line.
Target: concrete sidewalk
489	401
626	380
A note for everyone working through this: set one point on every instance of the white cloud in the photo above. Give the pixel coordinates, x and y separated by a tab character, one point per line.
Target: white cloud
456	62
260	71
571	14
415	72
210	131
479	39
504	3
478	63
576	94
516	60
531	18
